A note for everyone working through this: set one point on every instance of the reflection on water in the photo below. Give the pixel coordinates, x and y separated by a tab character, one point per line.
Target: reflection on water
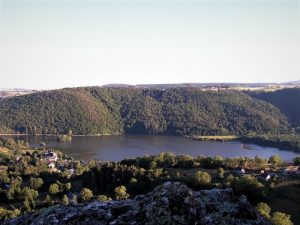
114	148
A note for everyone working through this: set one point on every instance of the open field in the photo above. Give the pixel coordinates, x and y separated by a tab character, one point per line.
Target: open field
5	151
215	138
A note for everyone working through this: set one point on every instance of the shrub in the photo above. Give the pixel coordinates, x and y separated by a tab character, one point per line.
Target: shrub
65	200
53	189
121	193
279	218
275	160
86	195
201	178
221	173
264	209
249	186
103	198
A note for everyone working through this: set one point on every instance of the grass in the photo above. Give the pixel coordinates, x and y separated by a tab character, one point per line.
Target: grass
215	138
5	151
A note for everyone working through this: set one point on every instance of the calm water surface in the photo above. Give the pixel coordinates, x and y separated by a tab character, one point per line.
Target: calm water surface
114	148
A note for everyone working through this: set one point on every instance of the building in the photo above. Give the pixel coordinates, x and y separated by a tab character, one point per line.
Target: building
265	176
291	170
240	171
51	165
50	156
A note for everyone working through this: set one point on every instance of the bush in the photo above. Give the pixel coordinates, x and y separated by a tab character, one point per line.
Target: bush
36	183
120	193
103	198
53	189
280	218
249	186
297	161
201	178
65	200
264	209
86	195
221	173
6	214
275	160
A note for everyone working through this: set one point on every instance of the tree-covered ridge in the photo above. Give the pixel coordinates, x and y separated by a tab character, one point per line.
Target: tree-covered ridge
57	112
180	111
287	100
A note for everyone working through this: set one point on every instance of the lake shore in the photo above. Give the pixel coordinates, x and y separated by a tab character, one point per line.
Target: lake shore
288	142
54	135
214	138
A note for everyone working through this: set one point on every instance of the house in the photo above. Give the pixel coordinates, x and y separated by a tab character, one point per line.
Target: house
71	171
18	158
265	176
240	171
50	156
51	165
291	170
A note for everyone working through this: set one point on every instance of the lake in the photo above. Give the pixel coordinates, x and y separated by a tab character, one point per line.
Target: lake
115	148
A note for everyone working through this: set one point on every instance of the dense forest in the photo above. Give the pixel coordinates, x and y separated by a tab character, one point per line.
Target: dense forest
287	100
179	111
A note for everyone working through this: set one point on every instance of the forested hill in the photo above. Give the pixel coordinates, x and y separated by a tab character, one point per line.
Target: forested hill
287	100
180	111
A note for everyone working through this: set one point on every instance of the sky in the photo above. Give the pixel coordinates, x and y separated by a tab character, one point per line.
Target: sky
46	44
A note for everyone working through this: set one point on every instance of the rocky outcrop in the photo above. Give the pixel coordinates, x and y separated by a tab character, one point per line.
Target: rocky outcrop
170	203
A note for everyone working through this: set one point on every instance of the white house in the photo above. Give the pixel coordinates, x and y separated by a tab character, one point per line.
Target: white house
51	165
50	156
291	170
265	176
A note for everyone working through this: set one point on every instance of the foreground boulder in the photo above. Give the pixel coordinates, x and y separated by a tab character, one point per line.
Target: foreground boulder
170	203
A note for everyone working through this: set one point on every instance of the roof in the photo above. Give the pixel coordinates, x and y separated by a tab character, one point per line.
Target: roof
49	155
292	168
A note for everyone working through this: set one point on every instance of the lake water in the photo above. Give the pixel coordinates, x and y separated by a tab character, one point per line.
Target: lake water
115	148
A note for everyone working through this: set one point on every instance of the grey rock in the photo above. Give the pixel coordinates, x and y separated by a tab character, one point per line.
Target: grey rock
168	204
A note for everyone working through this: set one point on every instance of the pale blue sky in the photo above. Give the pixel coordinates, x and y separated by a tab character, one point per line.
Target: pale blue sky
66	43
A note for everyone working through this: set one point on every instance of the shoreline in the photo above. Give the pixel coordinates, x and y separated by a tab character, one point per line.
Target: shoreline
244	139
54	135
218	138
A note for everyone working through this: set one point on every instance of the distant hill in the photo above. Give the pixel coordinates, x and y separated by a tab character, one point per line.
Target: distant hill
57	111
7	93
297	82
179	111
194	85
268	87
